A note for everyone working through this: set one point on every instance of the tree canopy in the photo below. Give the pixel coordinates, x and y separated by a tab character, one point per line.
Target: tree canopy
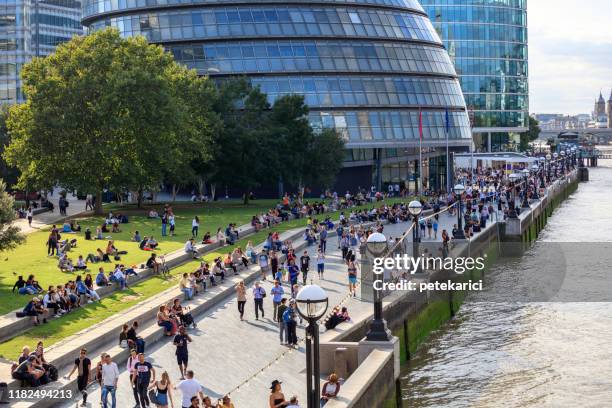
110	113
107	112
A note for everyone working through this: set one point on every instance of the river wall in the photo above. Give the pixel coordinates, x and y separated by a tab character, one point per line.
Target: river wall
412	316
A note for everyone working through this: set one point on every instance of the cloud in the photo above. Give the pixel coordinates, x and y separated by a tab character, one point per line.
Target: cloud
570	54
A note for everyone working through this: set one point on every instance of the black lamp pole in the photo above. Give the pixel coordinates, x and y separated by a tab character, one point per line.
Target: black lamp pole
460	234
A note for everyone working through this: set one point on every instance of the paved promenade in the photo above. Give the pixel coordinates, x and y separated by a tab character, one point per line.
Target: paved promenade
242	358
45	219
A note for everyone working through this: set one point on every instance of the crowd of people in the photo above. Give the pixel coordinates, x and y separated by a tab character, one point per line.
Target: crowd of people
487	196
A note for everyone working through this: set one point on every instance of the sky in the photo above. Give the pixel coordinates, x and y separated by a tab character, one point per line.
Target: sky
570	54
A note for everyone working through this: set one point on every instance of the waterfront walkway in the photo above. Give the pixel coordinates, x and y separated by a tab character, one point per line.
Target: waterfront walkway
242	358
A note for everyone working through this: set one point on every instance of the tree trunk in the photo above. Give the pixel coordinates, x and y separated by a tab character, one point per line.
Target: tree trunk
140	194
245	200
201	183
174	191
213	191
98	203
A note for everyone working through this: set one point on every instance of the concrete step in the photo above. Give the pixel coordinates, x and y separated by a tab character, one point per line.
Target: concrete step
104	337
12	326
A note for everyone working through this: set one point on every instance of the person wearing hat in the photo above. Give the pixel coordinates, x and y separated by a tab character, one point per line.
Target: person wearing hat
277	398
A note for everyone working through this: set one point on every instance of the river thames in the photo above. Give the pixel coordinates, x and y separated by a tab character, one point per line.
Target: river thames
550	349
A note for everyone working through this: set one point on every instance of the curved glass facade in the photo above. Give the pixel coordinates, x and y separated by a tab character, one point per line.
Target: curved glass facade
365	67
487	41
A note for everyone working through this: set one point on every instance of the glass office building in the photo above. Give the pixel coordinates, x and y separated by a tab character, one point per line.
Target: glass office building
29	28
487	41
365	67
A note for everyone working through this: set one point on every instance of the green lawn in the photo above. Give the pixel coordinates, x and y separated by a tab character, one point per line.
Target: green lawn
58	329
79	319
31	257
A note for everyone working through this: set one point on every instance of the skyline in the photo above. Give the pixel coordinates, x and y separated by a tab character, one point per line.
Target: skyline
568	68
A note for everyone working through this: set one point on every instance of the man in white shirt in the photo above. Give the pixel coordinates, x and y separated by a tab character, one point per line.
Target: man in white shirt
110	375
189	389
190	248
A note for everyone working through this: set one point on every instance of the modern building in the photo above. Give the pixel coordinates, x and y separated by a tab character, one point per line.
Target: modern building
366	68
30	28
487	41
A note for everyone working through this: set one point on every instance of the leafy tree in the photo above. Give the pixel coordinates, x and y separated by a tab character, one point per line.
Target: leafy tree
308	159
532	134
246	150
7	173
327	154
10	235
101	112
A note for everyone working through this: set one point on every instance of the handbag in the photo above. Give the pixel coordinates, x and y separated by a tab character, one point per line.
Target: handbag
153	396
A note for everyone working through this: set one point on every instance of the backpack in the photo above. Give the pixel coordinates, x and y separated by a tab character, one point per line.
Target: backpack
287	315
52	373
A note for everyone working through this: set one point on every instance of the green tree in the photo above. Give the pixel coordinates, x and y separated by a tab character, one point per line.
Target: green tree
247	153
101	112
308	158
10	235
7	173
532	134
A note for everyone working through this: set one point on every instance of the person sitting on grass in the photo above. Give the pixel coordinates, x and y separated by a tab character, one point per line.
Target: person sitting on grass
66	228
65	264
116	228
104	229
81	264
20	285
153	214
152	243
136	237
74	226
99	233
206	239
101	279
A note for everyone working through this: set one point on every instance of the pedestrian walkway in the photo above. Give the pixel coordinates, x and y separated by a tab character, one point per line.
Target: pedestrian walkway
228	355
47	218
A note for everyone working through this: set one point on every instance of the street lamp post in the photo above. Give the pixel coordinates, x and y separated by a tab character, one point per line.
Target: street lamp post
512	212
548	167
542	166
377	245
415	208
312	304
459	189
526	190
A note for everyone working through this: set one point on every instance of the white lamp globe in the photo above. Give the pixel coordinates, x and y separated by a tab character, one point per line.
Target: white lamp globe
459	189
312	302
377	243
415	207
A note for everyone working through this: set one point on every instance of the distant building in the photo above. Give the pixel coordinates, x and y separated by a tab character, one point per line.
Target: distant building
602	117
31	28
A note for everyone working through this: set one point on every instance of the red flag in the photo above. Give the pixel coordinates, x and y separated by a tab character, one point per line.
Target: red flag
420	124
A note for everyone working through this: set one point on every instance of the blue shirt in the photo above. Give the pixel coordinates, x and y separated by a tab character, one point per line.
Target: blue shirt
293	272
258	292
277	293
